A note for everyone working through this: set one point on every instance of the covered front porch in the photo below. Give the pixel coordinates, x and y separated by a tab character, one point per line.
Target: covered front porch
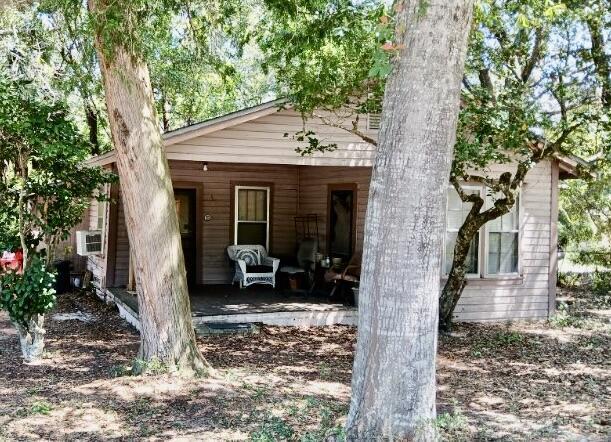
224	303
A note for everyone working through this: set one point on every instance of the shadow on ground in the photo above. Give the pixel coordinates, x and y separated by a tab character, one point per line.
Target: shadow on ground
495	382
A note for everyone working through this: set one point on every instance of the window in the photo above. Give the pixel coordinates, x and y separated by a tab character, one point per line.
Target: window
100	210
495	249
373	121
503	240
251	215
456	214
101	214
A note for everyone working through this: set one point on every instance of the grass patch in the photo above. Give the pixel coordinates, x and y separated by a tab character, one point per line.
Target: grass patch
118	371
41	407
452	426
501	339
272	429
153	367
565	318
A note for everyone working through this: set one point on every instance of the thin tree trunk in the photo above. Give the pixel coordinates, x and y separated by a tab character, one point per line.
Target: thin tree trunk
475	220
164	114
167	334
92	124
600	59
393	383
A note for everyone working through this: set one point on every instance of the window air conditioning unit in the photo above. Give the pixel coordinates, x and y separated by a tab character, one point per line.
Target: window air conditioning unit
88	242
373	121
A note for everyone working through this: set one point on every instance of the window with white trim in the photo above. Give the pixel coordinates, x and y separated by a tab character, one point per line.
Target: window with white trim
457	212
100	215
502	238
495	250
251	224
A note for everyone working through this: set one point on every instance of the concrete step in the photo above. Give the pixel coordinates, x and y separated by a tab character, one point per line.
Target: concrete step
226	328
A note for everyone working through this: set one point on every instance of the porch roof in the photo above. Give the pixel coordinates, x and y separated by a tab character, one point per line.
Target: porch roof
355	153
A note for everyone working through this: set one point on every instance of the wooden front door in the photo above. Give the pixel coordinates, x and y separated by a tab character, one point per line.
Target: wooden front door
185	208
341	220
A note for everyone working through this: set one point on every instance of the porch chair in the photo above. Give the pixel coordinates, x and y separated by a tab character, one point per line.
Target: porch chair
252	265
306	262
346	276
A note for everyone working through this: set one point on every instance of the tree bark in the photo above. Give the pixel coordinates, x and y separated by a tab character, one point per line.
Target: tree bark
456	282
167	333
92	124
32	339
393	383
601	59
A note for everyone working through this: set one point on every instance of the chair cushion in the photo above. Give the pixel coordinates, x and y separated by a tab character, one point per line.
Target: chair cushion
250	256
259	269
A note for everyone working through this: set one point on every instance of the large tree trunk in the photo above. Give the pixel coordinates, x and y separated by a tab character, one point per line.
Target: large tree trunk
32	339
393	383
167	334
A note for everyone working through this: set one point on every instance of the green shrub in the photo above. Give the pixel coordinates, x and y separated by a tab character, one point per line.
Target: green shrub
596	257
601	283
25	295
570	279
564	318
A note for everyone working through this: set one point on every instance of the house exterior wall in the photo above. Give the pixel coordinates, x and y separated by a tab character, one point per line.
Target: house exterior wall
216	225
314	182
268	139
303	190
258	151
264	141
528	295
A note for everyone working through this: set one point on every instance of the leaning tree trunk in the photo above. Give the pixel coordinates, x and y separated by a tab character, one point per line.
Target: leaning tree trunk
393	383
32	338
454	286
167	334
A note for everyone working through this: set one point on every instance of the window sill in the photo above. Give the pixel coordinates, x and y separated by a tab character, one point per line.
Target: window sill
492	280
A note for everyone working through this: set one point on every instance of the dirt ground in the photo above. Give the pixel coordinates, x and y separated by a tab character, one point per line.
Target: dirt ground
526	381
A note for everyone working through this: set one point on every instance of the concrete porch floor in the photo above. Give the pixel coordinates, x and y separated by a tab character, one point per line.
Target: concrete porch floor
258	303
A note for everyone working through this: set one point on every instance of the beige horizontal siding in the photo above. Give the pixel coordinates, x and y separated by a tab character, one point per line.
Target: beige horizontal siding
526	297
263	141
259	151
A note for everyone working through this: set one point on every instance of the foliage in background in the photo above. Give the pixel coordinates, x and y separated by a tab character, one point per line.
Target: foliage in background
42	174
44	189
585	205
200	61
327	60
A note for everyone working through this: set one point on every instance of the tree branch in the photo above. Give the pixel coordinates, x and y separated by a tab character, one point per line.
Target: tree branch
353	130
535	56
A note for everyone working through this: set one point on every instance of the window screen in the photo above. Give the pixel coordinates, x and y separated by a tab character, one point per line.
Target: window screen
252	212
503	240
457	213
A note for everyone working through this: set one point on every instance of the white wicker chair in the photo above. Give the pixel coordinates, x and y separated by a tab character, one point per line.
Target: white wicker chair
252	265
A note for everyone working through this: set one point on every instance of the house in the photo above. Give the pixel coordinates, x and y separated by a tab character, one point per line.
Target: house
238	179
